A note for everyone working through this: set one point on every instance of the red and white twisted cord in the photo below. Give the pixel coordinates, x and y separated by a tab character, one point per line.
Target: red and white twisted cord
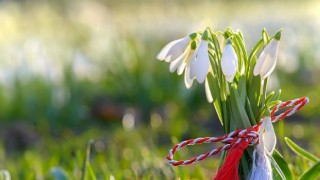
232	139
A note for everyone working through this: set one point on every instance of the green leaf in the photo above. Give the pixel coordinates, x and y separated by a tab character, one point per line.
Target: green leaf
300	151
270	95
281	166
242	90
238	50
86	159
265	35
238	109
215	91
242	52
216	44
254	52
273	103
254	94
312	173
277	173
91	173
249	112
276	96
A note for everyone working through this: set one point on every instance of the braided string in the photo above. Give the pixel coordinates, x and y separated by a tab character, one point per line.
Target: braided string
232	139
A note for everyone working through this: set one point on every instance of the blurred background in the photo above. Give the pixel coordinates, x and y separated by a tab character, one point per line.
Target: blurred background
79	71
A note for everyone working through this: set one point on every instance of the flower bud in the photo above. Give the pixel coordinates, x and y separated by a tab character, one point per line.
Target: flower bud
229	62
200	64
267	59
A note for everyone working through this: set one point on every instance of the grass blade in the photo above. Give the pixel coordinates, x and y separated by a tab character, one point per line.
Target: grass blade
86	160
300	151
281	166
312	173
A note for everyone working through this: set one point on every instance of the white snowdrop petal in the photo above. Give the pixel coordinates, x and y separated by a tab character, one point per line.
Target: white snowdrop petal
229	78
268	67
259	63
177	49
202	62
187	80
229	63
192	63
186	61
164	51
267	60
181	68
208	91
177	62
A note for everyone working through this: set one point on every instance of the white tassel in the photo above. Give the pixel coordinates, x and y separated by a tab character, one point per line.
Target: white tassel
261	169
261	166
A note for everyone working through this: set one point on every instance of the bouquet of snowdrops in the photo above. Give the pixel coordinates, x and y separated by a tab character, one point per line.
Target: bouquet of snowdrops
236	84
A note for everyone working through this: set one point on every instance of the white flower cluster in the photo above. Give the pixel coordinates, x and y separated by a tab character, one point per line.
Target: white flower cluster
184	55
191	56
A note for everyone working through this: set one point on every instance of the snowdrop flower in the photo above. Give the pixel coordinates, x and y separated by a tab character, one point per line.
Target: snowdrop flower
185	56
200	63
229	62
268	58
175	49
178	53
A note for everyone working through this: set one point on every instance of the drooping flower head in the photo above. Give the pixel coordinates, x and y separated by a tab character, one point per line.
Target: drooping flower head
174	49
200	63
229	62
188	54
268	58
178	53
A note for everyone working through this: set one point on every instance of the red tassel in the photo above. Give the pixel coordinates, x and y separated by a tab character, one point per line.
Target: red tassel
229	169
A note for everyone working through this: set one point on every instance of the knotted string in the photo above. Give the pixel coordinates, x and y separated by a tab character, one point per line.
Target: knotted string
236	141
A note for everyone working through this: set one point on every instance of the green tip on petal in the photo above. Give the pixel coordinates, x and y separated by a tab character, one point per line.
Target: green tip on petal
228	41
278	35
193	45
205	35
193	36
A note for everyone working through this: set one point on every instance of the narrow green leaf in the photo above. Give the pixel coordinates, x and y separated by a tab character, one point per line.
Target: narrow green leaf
255	50
91	173
270	95
238	109
244	54
249	112
300	151
265	36
281	166
244	166
277	173
264	92
312	173
216	44
253	94
227	115
215	91
238	50
273	103
276	96
242	90
86	159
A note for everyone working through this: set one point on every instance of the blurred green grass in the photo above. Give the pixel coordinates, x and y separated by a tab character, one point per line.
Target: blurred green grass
71	71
